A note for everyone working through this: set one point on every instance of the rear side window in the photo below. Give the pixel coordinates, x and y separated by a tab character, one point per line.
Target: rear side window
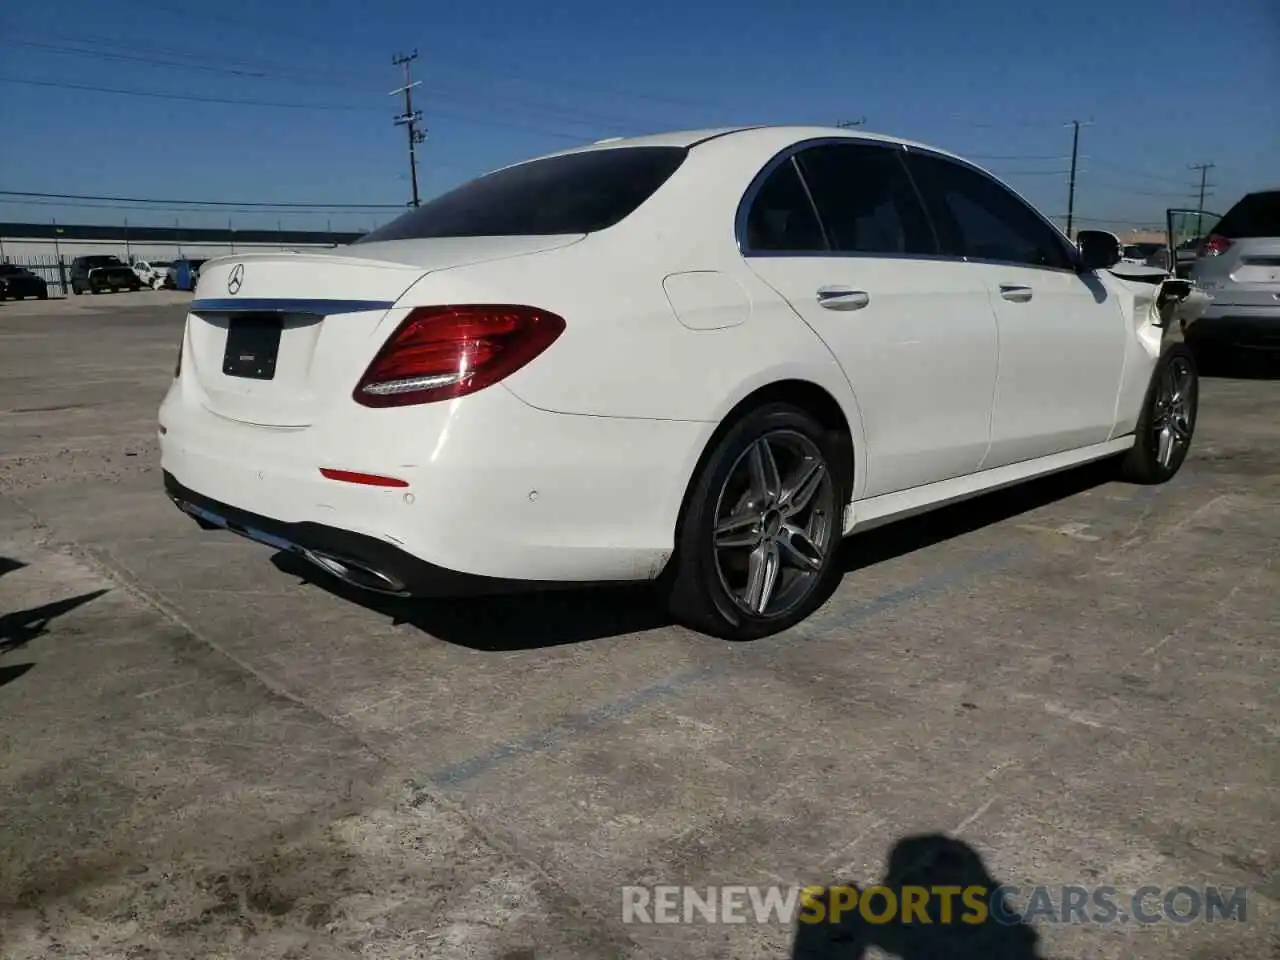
574	193
866	201
781	218
1256	215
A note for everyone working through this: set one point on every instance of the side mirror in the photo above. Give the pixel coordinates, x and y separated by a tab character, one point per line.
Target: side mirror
1098	249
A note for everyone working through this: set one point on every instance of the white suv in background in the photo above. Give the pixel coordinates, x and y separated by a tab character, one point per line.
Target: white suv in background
1238	266
151	272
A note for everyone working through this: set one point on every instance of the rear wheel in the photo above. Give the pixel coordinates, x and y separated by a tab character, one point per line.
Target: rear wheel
762	523
1168	419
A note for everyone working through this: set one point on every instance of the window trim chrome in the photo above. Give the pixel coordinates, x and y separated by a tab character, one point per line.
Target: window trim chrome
791	151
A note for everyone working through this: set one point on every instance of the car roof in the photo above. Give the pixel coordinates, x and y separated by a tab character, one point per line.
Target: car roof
749	137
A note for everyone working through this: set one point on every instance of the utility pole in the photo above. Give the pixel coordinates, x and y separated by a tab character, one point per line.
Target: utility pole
846	124
1204	169
1071	183
410	118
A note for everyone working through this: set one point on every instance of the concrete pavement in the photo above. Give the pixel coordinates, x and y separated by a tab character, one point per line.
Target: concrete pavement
206	754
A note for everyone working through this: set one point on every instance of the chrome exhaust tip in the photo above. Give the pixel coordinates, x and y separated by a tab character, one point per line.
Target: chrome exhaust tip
356	574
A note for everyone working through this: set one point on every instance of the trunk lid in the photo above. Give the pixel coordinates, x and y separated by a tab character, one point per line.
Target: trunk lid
277	338
1256	271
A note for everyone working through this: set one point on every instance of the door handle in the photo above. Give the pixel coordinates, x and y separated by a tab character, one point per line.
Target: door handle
842	298
1015	292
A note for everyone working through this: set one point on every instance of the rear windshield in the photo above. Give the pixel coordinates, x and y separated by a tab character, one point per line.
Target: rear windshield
574	193
1257	215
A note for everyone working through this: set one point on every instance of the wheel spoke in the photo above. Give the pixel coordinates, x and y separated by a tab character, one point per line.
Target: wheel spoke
1181	383
801	487
762	576
737	531
764	472
1165	445
798	548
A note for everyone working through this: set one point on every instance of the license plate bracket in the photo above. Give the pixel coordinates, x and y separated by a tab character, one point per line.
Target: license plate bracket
253	344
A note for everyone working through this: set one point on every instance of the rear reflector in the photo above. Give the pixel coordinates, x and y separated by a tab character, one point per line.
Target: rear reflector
368	479
444	352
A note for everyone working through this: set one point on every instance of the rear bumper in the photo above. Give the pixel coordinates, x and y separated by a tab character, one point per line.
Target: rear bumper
355	554
496	489
1231	325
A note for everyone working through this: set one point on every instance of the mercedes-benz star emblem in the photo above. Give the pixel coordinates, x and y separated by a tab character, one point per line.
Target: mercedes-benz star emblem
236	280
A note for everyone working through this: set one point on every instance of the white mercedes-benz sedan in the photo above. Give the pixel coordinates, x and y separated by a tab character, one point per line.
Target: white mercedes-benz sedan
697	358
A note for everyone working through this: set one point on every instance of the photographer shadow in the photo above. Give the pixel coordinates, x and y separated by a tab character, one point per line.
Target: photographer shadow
980	925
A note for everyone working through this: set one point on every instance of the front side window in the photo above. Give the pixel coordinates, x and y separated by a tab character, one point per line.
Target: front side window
866	200
573	193
781	218
978	218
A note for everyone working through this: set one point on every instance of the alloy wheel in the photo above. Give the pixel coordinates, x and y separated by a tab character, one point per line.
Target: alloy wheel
1173	415
774	520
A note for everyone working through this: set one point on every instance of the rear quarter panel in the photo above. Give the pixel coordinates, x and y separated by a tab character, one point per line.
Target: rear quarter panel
624	352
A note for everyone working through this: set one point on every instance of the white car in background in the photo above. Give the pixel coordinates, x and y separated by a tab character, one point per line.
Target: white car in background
697	358
151	272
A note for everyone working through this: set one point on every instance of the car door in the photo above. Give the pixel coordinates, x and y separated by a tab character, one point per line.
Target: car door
838	230
1061	330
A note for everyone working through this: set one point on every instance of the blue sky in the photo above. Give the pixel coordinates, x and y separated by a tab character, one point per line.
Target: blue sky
1164	84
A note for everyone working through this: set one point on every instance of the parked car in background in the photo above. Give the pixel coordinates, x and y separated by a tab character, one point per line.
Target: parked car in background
151	272
613	390
183	274
19	282
101	273
1140	252
1238	266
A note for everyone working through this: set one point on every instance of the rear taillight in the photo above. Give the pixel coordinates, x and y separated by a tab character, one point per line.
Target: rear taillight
439	353
1214	246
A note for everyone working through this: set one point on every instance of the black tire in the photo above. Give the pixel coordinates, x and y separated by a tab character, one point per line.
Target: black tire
1172	400
44	294
75	289
697	581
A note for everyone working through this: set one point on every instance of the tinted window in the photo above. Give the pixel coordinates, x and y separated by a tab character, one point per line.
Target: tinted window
574	193
866	200
781	217
977	217
1257	215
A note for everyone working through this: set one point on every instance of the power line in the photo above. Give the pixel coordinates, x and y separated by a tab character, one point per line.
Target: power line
1014	156
248	72
454	115
524	107
1033	173
1142	174
207	203
179	96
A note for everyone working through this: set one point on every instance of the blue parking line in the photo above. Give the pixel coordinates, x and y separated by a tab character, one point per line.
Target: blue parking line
455	774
